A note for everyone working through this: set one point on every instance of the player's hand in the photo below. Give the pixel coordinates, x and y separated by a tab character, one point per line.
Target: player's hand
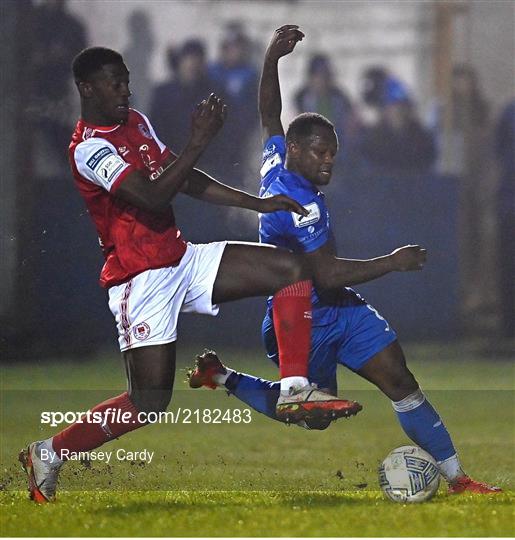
281	202
283	41
408	258
207	120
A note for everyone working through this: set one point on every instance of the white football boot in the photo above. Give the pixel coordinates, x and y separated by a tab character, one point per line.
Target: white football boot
310	403
42	476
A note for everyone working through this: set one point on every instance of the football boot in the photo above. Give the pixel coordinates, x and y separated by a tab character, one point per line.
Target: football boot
313	404
42	476
465	484
207	365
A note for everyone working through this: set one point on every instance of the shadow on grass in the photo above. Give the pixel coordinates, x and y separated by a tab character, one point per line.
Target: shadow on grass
238	500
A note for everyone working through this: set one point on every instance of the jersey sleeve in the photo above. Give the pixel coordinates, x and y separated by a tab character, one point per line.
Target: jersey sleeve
98	161
272	227
274	153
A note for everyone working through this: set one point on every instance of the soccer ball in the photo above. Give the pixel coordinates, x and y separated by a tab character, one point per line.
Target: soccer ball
409	475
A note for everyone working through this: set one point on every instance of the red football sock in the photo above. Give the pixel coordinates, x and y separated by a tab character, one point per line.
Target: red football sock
121	415
292	323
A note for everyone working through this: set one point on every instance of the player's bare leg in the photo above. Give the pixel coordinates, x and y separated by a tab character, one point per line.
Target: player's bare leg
388	371
257	270
150	375
249	269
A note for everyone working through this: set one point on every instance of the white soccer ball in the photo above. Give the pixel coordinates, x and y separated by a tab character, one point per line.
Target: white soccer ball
409	475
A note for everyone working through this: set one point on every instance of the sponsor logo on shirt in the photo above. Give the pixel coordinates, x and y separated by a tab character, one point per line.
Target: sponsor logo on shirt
106	164
312	217
95	159
144	152
312	236
156	174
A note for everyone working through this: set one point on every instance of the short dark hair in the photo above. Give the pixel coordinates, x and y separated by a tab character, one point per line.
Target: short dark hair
302	126
91	60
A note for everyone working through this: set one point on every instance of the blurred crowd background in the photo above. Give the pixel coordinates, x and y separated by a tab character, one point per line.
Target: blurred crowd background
422	97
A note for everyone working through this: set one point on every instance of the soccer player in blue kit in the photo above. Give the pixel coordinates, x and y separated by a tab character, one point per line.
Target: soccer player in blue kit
345	328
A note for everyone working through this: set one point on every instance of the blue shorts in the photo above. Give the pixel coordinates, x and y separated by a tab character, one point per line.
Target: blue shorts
354	337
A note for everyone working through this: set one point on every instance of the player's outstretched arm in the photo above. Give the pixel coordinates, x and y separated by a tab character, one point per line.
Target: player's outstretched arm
201	186
156	196
331	272
283	42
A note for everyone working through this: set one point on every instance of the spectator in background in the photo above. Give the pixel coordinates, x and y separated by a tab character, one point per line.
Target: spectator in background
373	83
174	101
237	79
397	143
321	94
59	36
465	146
468	123
171	107
505	150
137	54
47	235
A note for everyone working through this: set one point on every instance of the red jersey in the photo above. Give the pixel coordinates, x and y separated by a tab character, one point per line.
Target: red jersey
133	240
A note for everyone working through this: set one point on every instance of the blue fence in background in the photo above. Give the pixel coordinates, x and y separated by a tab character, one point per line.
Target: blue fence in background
379	214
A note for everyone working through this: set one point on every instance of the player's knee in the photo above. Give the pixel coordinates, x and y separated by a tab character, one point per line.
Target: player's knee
292	270
401	385
154	401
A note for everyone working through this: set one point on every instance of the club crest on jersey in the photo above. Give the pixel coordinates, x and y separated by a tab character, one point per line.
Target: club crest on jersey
269	151
141	331
143	129
306	221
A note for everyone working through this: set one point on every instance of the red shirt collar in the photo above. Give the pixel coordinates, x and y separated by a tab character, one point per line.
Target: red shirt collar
88	129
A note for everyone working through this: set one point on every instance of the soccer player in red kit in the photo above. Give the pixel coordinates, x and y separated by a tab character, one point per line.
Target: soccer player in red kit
128	179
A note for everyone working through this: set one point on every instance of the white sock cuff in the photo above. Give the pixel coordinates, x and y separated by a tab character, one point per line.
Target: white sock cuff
51	455
221	378
410	402
452	458
450	468
293	384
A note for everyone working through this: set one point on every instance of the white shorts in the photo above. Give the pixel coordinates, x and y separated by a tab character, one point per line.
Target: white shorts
147	307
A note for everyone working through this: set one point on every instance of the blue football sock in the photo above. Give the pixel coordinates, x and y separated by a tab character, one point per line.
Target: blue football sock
423	426
259	394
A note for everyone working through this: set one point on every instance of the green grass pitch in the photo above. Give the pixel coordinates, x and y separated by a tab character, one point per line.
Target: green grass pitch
261	478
